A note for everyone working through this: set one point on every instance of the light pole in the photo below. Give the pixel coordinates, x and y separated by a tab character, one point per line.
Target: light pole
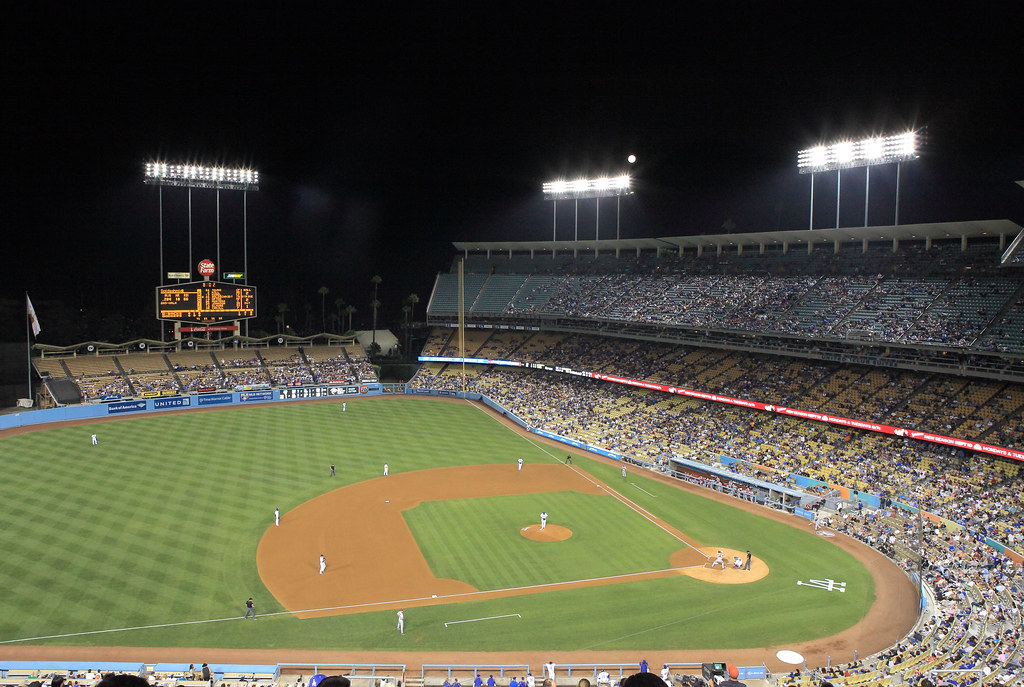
847	154
191	176
601	187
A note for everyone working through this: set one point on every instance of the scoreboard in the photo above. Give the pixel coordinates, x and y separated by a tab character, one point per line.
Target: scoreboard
206	302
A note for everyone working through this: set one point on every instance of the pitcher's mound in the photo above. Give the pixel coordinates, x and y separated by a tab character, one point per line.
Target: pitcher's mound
549	533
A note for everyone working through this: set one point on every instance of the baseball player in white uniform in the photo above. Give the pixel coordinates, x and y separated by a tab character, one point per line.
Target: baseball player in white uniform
95	441
344	406
323	564
520	464
401	620
623	472
549	670
385	469
543	519
719	560
277	517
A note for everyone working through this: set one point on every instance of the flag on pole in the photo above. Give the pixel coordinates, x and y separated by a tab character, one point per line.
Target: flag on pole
32	317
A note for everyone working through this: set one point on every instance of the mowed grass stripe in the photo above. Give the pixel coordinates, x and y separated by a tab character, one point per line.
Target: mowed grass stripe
478	540
160	522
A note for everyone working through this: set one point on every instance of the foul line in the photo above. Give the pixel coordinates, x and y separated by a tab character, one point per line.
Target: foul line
366	606
490	617
650	517
644	490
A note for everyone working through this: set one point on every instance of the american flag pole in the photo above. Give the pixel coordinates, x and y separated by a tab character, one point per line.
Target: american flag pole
28	341
32	328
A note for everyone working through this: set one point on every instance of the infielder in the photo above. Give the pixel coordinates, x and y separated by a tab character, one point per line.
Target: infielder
277	517
95	441
323	564
385	469
543	519
520	462
401	620
720	560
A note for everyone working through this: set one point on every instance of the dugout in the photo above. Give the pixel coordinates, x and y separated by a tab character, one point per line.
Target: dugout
770	494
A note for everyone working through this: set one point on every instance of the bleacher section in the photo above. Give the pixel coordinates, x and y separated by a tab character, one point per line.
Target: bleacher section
127	374
946	293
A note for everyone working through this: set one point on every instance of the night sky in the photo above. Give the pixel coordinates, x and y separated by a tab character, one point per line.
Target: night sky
382	135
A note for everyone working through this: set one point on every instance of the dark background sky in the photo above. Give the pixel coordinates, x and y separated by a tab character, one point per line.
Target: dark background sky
382	135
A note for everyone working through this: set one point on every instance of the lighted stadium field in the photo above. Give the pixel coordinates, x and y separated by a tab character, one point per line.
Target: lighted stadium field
151	539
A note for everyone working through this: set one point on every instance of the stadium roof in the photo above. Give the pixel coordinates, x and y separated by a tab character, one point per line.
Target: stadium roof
906	232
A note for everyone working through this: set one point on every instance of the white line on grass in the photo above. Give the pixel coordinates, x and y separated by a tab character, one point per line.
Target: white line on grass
644	490
367	606
631	504
490	617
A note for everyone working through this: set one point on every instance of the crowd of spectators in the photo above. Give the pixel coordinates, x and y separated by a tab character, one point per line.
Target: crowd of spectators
977	409
911	295
155	374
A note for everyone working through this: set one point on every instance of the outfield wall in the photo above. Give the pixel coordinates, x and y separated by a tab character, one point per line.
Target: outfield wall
92	411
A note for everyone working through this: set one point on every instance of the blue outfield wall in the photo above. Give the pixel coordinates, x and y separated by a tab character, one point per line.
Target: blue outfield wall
92	411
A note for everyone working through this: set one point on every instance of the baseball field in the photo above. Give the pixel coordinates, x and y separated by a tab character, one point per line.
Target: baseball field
156	536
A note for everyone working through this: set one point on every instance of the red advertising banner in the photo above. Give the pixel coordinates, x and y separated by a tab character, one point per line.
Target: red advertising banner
965	444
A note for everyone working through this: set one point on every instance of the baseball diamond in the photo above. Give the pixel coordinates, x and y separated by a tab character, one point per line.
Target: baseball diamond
443	531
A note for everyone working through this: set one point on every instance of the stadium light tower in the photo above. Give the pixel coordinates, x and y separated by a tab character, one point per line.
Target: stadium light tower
601	187
190	176
847	154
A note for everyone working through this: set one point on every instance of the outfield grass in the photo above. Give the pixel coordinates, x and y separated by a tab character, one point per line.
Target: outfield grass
159	525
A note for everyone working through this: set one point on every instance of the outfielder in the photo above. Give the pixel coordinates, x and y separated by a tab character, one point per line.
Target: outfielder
385	469
95	441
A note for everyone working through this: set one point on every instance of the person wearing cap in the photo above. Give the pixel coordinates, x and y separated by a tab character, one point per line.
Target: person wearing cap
734	673
401	620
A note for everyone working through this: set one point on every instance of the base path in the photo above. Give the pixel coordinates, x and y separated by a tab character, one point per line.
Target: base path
373	560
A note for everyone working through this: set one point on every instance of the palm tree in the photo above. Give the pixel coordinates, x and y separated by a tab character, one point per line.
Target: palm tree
323	291
282	308
375	280
406	309
350	310
412	299
339	302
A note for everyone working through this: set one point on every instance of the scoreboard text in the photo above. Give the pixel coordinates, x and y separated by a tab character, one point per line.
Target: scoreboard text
205	302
